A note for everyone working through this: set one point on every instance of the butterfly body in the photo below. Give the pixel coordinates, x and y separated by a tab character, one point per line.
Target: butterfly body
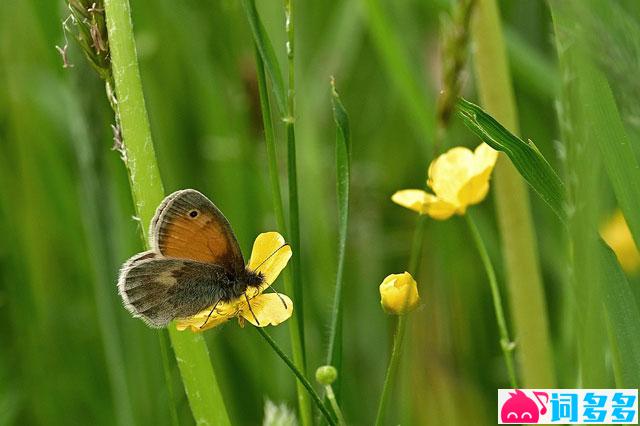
194	263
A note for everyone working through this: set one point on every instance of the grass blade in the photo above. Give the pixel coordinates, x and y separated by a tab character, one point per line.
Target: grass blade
619	301
191	351
267	53
623	318
616	150
343	170
533	167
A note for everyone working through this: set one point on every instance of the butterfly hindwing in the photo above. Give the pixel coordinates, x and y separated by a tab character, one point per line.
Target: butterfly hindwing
159	289
187	225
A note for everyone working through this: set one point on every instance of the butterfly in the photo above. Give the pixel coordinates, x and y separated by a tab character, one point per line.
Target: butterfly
194	263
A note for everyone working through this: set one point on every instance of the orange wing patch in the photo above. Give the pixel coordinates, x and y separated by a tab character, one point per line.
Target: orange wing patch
202	240
190	226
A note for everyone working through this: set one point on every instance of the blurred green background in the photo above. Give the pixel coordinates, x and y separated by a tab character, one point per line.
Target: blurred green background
71	354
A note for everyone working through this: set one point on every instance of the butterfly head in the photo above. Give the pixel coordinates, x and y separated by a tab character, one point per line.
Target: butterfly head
252	278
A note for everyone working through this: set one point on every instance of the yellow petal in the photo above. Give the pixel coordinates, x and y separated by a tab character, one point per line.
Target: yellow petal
475	189
269	309
484	157
269	256
617	234
222	314
477	186
437	208
399	294
413	199
449	172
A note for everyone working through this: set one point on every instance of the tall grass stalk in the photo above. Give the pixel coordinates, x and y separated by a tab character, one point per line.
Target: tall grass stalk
276	196
292	169
270	143
297	326
519	250
267	64
190	349
505	342
401	325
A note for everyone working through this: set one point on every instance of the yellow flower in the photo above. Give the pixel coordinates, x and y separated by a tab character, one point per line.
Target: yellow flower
269	256
616	233
458	178
399	294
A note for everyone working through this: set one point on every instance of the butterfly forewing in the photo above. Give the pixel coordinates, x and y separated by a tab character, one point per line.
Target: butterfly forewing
187	225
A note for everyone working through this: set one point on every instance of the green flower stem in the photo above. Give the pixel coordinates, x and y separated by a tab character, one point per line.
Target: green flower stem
392	369
276	194
334	404
505	342
301	378
416	245
513	207
401	325
190	349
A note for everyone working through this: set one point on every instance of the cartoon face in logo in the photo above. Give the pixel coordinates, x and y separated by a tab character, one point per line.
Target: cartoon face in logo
519	408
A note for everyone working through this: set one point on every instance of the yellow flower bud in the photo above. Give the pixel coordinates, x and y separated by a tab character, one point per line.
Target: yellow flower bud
399	294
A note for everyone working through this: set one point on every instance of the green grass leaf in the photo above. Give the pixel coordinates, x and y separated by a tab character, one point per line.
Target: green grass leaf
191	351
267	53
343	171
619	301
533	167
607	129
623	318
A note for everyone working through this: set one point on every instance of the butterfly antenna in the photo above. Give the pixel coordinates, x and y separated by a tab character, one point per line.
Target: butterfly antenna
210	312
270	256
279	297
251	309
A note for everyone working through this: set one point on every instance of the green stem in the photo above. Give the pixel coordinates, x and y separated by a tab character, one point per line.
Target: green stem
294	284
301	378
276	196
166	366
401	325
190	349
292	170
505	342
334	404
269	140
513	206
398	338
416	245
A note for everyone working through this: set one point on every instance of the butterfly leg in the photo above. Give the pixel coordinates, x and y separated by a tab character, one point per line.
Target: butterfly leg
211	312
251	310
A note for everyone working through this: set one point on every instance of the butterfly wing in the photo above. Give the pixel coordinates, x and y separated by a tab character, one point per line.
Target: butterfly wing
159	289
187	225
